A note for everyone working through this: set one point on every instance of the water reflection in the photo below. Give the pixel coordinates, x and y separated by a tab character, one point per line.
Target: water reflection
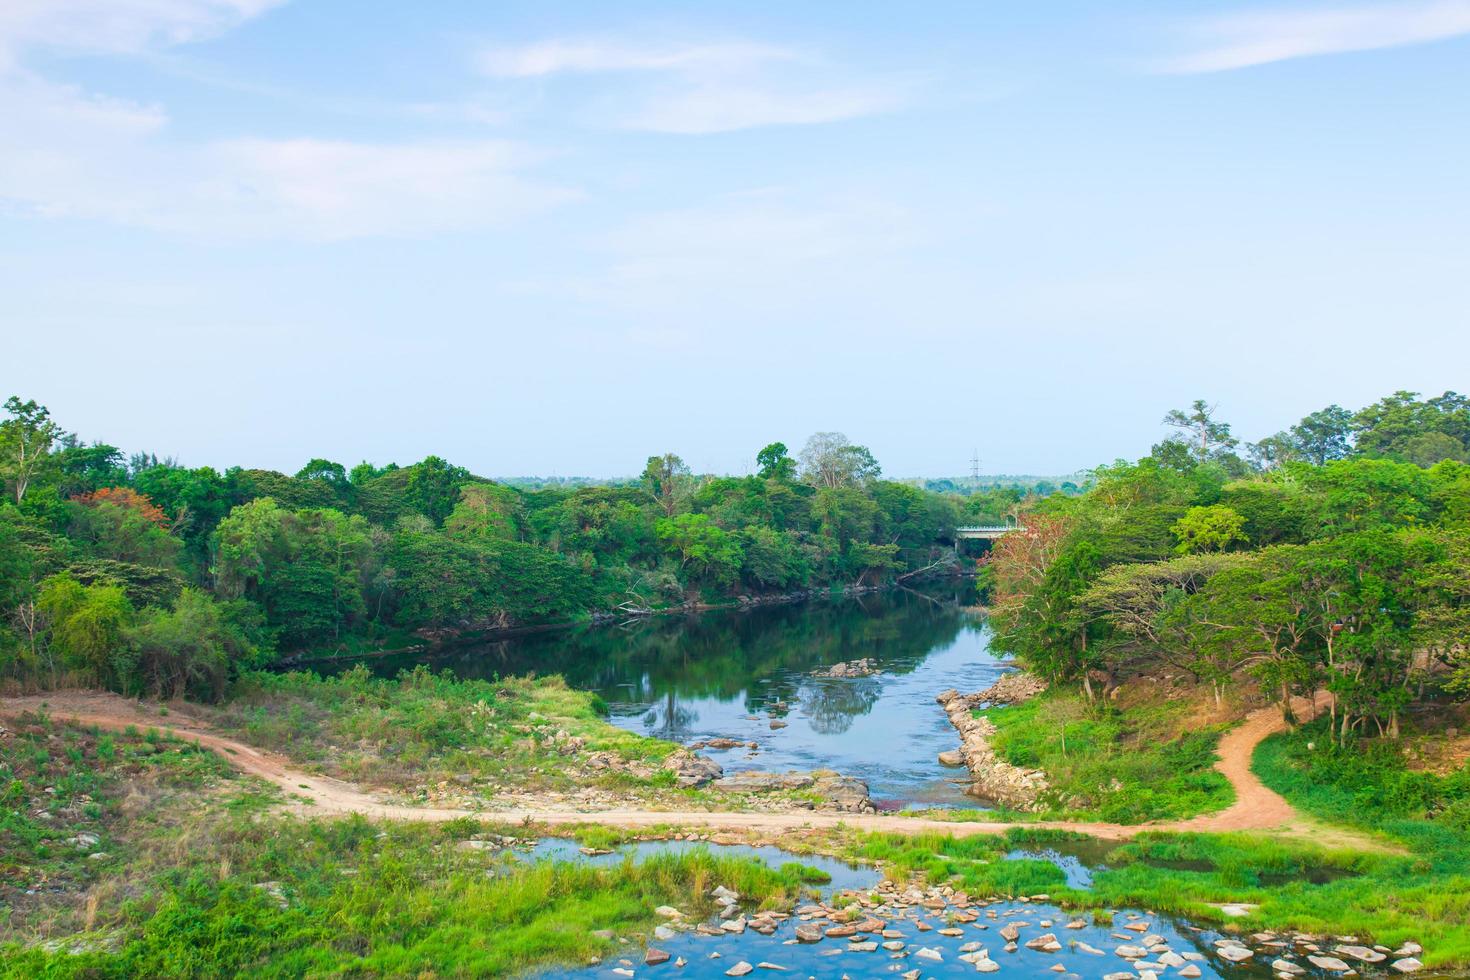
731	674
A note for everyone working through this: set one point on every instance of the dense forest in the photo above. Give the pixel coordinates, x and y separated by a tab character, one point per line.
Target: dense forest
1334	555
150	576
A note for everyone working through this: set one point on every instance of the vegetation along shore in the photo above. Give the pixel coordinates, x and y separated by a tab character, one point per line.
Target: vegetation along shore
1222	729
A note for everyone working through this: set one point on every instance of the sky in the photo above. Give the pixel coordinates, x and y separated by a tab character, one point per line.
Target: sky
555	238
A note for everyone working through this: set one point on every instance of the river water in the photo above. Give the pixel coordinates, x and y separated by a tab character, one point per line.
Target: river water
730	674
1088	942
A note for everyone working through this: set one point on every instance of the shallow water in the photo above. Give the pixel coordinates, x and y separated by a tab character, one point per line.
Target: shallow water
730	674
834	958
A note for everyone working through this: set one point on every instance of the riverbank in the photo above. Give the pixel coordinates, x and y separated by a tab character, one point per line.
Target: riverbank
446	640
221	880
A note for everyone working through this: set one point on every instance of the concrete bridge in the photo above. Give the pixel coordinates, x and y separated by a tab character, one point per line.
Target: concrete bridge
984	532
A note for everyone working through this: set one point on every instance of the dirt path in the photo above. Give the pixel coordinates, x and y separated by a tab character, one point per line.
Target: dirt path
1256	807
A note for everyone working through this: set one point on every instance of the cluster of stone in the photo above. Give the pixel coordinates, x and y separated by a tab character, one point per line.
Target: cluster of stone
845	794
893	919
992	778
850	668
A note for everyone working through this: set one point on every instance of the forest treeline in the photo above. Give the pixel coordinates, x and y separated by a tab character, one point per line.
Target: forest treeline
150	576
1334	555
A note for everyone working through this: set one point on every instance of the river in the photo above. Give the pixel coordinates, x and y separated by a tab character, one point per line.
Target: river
731	674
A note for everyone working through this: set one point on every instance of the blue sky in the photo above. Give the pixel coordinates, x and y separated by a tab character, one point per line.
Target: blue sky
557	238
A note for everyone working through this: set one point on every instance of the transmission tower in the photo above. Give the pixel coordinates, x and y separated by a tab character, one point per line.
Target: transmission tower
975	465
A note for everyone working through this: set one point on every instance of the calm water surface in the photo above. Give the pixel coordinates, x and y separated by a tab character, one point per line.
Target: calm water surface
730	674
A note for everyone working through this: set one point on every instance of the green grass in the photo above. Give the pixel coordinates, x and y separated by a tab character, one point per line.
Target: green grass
198	871
423	729
67	794
1117	765
1386	897
362	899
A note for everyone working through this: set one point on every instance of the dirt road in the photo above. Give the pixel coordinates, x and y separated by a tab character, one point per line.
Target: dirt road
1256	807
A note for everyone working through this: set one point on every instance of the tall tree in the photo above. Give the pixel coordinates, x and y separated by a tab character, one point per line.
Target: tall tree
667	478
1324	435
775	463
1199	427
26	438
830	459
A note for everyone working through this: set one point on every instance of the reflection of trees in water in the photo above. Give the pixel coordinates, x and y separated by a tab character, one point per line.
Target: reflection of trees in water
720	655
833	705
669	720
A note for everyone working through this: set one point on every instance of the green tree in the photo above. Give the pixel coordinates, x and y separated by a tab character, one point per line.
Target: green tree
775	463
26	438
190	650
486	512
433	488
706	550
830	460
85	627
1199	428
1324	435
668	479
1212	528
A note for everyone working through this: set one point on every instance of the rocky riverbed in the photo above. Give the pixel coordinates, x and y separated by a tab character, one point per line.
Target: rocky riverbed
909	931
992	778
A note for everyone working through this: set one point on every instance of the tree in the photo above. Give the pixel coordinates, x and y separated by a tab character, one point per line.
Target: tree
1035	577
1212	528
830	459
85	626
1199	428
486	512
1324	435
192	649
122	525
433	487
709	551
1403	427
775	463
26	438
307	568
668	479
1272	451
1147	609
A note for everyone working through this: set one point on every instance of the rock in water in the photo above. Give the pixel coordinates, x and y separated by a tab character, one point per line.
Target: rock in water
809	932
1329	963
654	957
739	969
1362	953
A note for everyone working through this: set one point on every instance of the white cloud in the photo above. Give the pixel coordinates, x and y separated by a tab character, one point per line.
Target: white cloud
589	55
721	107
66	152
119	26
701	87
1243	40
325	190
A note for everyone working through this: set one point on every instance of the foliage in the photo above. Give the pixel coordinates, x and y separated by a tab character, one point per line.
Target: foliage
1120	765
205	889
1212	528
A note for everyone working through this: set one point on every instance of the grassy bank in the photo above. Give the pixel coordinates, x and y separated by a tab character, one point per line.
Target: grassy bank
1151	759
429	736
1387	898
199	880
